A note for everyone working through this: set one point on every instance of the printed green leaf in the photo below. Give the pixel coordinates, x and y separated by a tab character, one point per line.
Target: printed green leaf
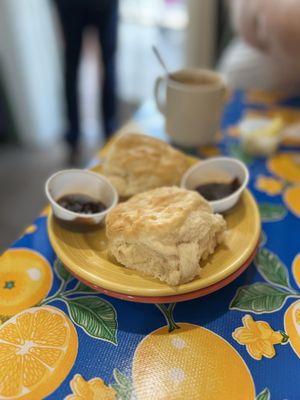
96	316
61	271
272	268
271	212
120	378
123	386
264	395
236	151
258	298
285	338
262	239
81	287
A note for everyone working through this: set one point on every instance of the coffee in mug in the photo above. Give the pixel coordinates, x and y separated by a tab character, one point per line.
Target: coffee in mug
193	107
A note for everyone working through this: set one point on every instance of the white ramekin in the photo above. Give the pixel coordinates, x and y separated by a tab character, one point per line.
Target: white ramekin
80	181
217	169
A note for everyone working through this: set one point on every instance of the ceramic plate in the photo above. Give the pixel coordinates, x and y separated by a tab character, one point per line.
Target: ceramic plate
85	255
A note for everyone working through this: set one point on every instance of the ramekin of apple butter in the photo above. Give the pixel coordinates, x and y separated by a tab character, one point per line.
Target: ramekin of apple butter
80	199
220	180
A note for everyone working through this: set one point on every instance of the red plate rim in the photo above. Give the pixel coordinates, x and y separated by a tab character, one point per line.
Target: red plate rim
174	298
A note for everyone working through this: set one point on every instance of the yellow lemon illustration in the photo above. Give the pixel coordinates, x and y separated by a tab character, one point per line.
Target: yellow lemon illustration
296	269
38	348
286	166
292	199
292	325
25	279
189	363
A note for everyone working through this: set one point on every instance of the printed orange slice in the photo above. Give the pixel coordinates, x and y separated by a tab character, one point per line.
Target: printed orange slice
38	348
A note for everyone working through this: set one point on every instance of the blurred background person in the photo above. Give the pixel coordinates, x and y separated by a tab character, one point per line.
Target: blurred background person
32	88
265	53
76	16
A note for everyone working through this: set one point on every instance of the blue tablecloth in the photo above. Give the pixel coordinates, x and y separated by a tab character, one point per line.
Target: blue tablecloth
242	342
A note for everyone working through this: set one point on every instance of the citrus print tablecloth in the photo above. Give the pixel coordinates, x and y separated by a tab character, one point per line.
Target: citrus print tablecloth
61	340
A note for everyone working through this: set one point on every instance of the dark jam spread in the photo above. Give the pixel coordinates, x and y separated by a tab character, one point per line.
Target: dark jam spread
218	190
80	203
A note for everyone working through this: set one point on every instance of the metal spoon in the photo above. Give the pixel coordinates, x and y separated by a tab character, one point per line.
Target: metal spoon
160	59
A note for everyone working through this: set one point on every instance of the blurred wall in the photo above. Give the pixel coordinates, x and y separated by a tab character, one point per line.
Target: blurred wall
30	64
201	33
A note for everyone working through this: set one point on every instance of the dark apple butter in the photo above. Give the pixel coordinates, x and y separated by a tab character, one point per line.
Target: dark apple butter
217	190
80	203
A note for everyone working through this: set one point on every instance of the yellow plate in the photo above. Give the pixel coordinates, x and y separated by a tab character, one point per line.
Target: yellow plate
86	256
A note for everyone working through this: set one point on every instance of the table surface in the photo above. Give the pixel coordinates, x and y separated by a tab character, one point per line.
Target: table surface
242	342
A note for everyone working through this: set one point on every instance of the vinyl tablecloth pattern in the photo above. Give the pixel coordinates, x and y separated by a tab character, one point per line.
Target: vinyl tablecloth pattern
61	340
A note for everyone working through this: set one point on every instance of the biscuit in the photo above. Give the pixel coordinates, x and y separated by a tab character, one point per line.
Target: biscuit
136	163
164	233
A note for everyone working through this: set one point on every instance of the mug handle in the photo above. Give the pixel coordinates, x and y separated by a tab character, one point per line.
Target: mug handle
226	92
159	104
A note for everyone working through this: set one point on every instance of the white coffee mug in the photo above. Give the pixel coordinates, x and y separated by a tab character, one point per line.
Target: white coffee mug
193	107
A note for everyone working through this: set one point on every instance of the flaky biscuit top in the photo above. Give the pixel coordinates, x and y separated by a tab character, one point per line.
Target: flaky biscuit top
136	163
157	213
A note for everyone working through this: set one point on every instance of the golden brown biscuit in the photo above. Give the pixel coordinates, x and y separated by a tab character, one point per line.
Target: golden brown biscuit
164	233
136	163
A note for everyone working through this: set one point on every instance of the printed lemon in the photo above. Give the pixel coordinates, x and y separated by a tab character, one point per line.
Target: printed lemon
286	166
25	279
189	363
38	348
292	199
292	325
296	269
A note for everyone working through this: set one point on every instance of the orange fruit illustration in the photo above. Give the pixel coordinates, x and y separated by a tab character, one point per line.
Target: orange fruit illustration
38	348
286	166
296	269
189	363
25	279
269	185
292	325
292	199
